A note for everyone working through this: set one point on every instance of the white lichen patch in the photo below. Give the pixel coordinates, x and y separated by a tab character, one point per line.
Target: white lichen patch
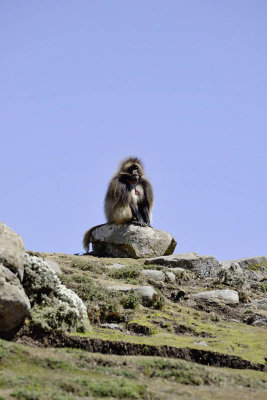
60	307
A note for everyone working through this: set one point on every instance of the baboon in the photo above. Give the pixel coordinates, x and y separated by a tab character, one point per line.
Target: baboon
129	197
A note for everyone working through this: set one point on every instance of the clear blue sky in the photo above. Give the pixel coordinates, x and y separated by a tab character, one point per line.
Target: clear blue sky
181	84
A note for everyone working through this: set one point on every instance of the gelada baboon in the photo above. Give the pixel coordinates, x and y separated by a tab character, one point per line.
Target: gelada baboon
129	197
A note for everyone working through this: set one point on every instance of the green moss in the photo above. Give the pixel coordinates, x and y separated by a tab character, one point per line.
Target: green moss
263	287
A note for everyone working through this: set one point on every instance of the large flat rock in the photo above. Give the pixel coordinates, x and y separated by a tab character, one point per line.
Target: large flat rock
131	241
203	266
225	296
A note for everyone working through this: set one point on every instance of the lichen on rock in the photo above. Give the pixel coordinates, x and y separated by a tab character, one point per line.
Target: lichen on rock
54	305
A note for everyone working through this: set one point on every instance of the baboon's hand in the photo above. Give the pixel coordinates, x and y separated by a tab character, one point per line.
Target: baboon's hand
139	223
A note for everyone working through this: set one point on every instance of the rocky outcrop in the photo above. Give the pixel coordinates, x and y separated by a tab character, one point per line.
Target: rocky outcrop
14	304
258	304
203	266
131	241
11	250
54	307
154	274
244	272
226	296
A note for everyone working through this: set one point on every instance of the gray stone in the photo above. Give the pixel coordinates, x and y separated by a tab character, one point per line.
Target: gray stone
54	305
14	304
203	266
54	266
115	266
202	343
153	274
259	304
253	269
257	320
121	288
225	296
170	276
147	293
132	241
112	326
177	269
260	321
11	250
232	274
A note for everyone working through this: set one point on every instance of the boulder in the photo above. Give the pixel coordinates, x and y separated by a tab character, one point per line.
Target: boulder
54	266
11	250
257	320
147	293
203	266
245	271
226	296
258	304
14	304
129	240
232	274
154	274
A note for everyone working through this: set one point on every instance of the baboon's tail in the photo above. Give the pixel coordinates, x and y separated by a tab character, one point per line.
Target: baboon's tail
87	237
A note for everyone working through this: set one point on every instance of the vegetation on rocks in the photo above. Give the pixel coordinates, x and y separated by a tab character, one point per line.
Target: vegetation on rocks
174	346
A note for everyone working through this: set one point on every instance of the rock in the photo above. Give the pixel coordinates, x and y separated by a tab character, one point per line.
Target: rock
203	266
202	343
153	274
259	304
11	250
226	296
112	326
54	306
257	320
232	274
176	269
260	321
54	266
132	241
147	293
170	276
248	271
115	266
14	304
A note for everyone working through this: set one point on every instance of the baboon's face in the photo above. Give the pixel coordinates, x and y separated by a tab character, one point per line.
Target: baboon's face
134	174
